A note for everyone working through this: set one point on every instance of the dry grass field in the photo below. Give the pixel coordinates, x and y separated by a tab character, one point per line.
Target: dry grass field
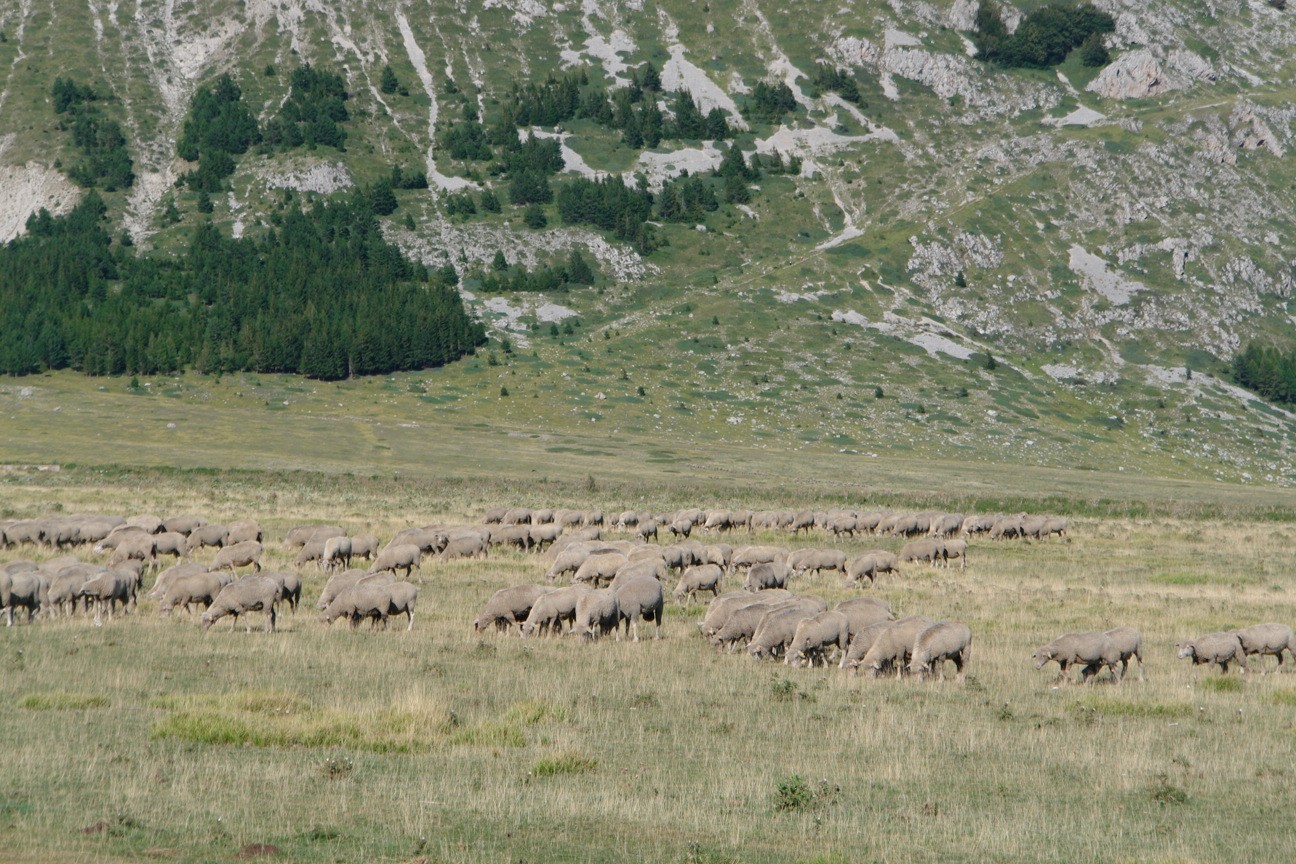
148	740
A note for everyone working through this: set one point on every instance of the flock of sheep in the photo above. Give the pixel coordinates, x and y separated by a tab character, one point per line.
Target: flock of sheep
615	584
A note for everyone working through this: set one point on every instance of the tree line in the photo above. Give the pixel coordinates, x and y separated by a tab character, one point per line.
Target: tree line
1267	371
1045	37
322	295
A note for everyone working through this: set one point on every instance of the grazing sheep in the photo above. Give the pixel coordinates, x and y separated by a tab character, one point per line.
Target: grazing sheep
1092	650
290	585
147	523
977	525
600	568
139	546
542	517
365	546
495	515
404	557
198	588
298	535
946	525
862	612
927	551
64	589
516	516
552	610
170	543
716	553
680	527
250	594
568	561
952	549
640	598
699	577
401	597
803	521
804	561
869	565
1007	527
815	637
22	588
944	640
108	589
544	535
185	525
777	629
244	531
357	603
243	554
749	556
509	606
1130	644
597	614
861	641
1266	639
893	646
463	546
762	577
1056	525
208	535
646	529
720	608
653	569
169	575
338	583
336	552
1221	648
319	532
739	625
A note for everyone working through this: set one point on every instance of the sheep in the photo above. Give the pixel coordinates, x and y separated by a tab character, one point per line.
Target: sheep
1265	639
803	521
170	543
512	535
185	525
250	594
927	550
640	598
600	568
977	525
715	553
568	561
516	516
291	586
509	606
365	546
803	561
494	516
141	546
403	557
720	608
464	545
338	583
944	640
542	517
762	577
653	569
749	556
951	549
247	552
336	551
147	523
777	629
646	529
815	637
946	525
169	575
699	577
208	535
357	603
1055	525
1130	644
1221	648
552	610
298	535
739	625
862	612
1006	527
597	614
1092	650
893	646
108	589
22	588
544	535
402	597
188	590
64	589
861	641
870	564
244	531
680	527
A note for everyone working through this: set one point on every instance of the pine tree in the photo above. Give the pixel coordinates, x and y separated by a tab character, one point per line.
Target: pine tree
578	270
388	83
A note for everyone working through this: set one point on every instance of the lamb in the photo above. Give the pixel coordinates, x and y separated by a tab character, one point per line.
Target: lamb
336	552
640	598
870	564
403	557
1221	648
110	588
762	577
552	610
699	577
1130	644
815	637
291	585
250	594
945	640
1092	650
509	606
893	647
187	590
597	614
1265	639
248	552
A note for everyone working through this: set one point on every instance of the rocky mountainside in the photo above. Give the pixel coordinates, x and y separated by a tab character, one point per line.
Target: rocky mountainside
1052	265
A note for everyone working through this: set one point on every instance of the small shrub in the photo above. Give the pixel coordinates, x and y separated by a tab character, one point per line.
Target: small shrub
878	394
1166	793
337	767
503	391
795	793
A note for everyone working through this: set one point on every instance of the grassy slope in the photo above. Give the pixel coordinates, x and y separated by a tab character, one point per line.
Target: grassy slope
435	743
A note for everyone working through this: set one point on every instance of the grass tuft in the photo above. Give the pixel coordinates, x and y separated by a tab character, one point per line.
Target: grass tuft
1122	708
564	763
62	701
1223	684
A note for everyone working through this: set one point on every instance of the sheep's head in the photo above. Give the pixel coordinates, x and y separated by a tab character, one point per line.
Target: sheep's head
1185	649
206	620
1042	656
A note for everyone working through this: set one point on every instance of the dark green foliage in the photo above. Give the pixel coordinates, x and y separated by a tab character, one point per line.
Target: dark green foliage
575	271
217	128
204	202
769	102
1044	37
490	202
312	115
460	204
832	79
734	164
500	263
773	163
1093	53
382	200
529	187
413	179
609	205
1267	371
650	79
466	141
578	269
388	82
324	295
539	155
107	162
553	101
686	199
534	217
